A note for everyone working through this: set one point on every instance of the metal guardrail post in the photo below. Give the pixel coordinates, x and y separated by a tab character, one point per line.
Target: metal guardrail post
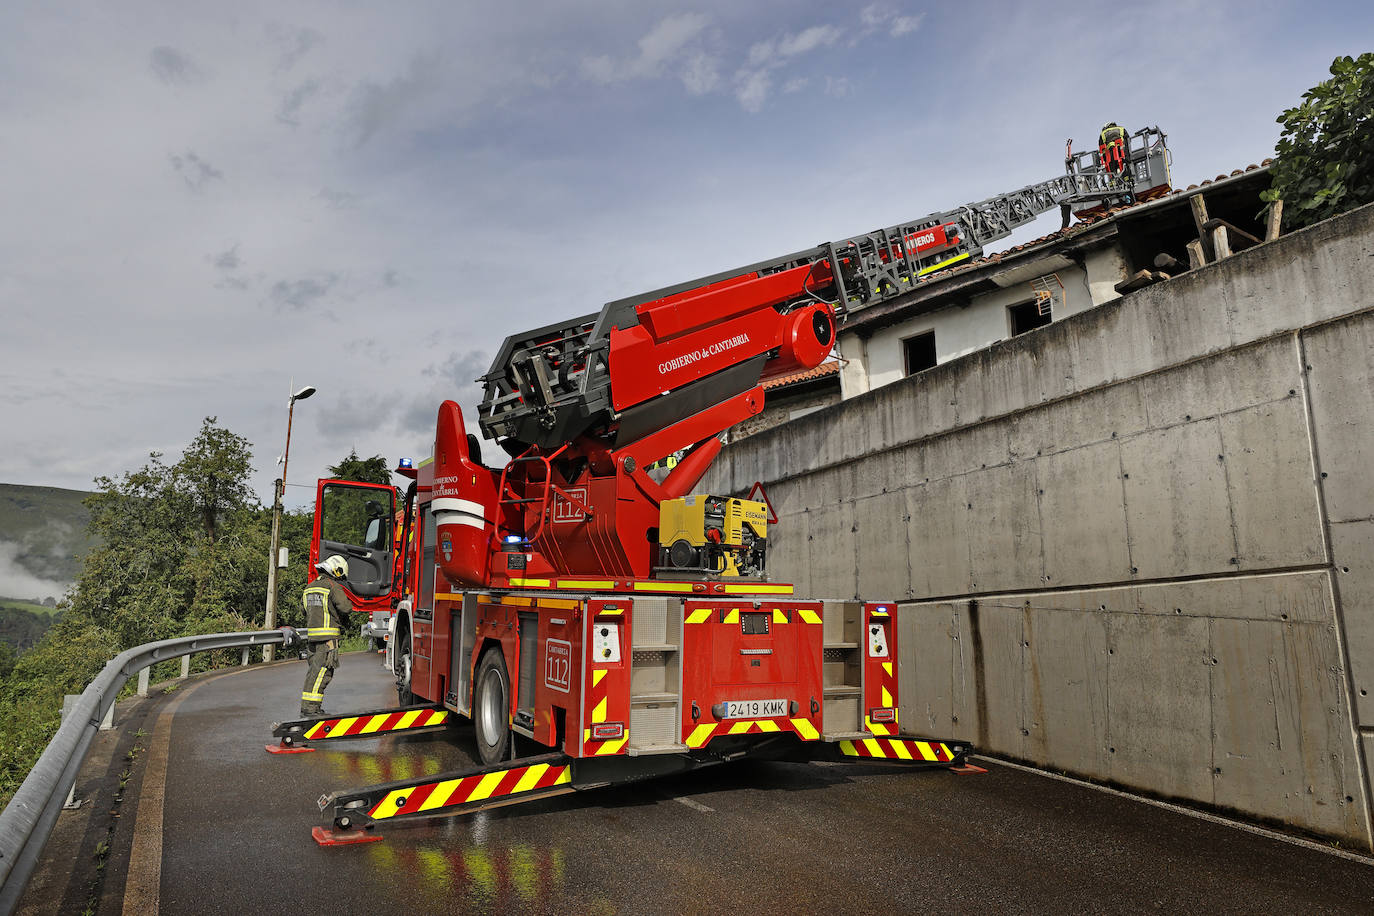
244	662
185	666
28	819
143	683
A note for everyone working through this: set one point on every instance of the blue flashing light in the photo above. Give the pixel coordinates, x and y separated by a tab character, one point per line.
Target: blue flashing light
405	463
513	539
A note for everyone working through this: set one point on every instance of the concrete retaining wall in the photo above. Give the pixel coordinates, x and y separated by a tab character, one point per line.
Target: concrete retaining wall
1136	545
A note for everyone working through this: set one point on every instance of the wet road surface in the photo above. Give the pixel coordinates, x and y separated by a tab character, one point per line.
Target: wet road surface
749	837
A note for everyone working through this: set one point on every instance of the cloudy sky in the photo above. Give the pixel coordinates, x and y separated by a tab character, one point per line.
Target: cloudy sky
202	202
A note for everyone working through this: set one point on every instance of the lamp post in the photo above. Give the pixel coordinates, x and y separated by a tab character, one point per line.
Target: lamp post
278	491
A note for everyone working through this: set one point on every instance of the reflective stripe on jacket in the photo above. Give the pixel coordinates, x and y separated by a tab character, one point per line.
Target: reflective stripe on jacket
326	607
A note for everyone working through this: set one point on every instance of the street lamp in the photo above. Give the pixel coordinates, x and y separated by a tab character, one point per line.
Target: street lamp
278	491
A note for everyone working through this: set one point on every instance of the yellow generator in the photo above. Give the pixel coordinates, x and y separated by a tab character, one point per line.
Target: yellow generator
720	535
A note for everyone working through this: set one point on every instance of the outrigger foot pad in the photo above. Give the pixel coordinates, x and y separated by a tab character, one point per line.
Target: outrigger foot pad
967	769
288	745
326	837
409	719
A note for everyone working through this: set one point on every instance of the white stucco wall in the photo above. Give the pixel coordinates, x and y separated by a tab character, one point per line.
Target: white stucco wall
959	330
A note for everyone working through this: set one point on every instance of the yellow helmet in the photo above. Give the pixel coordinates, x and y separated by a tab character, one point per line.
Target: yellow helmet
336	566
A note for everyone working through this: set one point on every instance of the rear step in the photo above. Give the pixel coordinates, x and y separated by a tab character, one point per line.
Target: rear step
408	719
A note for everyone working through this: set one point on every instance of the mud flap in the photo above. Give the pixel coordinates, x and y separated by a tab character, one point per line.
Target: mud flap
408	720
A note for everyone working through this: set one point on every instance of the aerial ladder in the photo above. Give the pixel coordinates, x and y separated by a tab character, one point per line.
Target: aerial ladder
627	624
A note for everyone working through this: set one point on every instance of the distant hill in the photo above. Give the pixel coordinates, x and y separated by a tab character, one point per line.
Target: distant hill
43	540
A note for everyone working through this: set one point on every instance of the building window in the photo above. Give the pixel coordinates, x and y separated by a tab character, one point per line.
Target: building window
919	352
1028	316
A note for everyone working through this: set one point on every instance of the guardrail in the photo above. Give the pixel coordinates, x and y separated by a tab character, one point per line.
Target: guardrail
28	819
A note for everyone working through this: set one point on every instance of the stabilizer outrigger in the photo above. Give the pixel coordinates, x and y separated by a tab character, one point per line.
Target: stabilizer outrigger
356	812
410	720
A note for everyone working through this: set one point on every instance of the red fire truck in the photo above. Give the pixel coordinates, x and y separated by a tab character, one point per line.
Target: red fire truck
622	622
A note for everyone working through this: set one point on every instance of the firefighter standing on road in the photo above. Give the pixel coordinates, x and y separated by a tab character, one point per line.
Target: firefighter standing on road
326	608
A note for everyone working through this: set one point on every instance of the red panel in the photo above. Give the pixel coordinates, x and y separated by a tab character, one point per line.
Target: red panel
880	666
721	663
606	681
643	368
712	305
558	678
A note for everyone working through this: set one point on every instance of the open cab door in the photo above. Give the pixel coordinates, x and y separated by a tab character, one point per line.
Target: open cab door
355	521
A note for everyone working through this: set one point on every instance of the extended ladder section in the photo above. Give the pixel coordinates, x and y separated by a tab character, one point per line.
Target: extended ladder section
550	385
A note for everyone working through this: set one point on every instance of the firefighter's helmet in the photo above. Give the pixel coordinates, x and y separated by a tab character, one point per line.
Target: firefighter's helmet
336	566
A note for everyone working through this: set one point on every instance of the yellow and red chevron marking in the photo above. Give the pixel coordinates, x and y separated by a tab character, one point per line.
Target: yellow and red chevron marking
898	749
599	702
450	793
377	723
702	734
882	693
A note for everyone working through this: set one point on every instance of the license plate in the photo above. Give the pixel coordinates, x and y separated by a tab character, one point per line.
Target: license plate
755	709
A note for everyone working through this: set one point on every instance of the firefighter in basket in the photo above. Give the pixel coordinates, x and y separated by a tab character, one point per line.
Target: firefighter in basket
326	611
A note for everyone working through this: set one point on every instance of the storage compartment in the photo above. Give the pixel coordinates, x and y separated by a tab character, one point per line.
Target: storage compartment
842	668
462	638
655	675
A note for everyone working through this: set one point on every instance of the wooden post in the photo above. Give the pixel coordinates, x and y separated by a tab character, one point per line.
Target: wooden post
1199	217
1220	243
1275	219
1195	256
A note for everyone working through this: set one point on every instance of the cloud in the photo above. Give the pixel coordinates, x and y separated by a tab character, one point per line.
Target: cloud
673	46
904	25
754	81
195	171
886	17
18	582
173	67
339	200
378	106
289	110
453	379
227	260
302	293
292	43
751	89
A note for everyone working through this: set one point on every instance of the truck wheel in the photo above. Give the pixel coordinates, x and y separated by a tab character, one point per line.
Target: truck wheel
404	695
491	716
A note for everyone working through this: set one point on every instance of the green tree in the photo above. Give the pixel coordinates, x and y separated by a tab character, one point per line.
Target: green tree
179	548
1324	160
363	470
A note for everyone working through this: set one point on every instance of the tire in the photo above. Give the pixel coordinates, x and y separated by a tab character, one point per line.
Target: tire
491	708
404	695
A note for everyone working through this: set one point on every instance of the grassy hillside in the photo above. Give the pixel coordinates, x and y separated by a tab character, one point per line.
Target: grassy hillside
41	610
42	540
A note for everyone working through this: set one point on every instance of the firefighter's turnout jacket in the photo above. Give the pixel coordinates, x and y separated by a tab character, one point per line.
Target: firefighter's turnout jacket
326	608
1111	147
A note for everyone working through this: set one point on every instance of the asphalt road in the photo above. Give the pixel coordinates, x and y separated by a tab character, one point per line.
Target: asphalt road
210	823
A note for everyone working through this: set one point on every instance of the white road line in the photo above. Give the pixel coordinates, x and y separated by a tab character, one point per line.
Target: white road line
694	805
1190	812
